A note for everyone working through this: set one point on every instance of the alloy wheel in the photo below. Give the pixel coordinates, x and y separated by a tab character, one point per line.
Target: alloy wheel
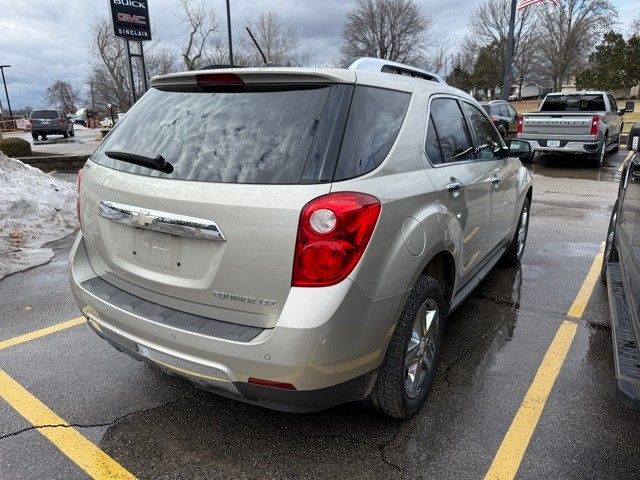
421	349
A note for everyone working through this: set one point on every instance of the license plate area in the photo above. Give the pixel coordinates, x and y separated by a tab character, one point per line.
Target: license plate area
153	249
553	143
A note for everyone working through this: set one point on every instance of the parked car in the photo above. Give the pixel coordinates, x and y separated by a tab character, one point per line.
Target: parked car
296	238
50	122
503	116
621	273
585	123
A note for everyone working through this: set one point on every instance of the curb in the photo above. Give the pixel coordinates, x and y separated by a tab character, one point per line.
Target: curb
61	163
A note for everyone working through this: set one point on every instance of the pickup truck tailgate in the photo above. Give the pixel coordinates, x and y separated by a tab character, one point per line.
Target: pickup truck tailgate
560	126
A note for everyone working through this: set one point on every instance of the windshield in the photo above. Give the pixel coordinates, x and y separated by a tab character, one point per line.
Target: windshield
573	103
262	136
44	114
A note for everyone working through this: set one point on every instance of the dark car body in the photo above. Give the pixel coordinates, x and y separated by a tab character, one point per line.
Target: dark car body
621	272
503	116
50	122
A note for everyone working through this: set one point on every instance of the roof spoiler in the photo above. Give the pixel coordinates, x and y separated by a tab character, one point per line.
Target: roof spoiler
371	64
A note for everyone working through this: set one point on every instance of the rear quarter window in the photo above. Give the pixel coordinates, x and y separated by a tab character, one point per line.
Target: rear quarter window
374	122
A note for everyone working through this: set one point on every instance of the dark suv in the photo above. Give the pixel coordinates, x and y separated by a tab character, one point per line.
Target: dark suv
621	272
50	122
503	116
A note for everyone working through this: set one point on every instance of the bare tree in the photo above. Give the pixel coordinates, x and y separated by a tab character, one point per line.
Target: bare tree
569	32
391	29
161	61
202	26
109	71
489	25
526	61
278	41
634	30
63	95
438	57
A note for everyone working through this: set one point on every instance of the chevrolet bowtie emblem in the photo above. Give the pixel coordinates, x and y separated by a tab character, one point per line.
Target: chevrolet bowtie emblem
142	218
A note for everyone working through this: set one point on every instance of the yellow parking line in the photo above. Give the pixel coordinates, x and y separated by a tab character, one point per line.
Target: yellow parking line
41	333
580	303
507	460
67	439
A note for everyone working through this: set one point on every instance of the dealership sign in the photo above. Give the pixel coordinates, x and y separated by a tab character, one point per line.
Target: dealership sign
131	19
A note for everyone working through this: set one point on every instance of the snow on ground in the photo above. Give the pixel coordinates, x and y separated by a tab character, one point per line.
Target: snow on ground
35	208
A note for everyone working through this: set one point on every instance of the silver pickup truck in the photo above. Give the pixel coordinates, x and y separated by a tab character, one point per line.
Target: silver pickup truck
587	123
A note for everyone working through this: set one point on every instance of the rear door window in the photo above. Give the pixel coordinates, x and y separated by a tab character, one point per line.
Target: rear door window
451	130
260	135
375	118
44	114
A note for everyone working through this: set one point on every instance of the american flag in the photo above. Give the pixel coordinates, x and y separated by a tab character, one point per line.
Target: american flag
527	3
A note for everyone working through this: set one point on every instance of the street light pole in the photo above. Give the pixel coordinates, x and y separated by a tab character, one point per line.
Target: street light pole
6	92
508	59
229	33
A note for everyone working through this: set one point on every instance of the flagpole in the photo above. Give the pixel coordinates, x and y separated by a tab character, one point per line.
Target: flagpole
508	59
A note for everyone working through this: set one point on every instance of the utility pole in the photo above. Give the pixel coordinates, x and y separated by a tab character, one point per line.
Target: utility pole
229	33
508	59
93	99
6	92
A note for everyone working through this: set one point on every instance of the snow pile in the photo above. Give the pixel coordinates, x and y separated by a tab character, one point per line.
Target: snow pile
35	208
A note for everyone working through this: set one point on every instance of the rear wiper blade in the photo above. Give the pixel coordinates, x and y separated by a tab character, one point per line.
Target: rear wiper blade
156	163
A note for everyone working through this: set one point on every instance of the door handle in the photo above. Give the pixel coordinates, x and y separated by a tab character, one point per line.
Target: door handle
455	185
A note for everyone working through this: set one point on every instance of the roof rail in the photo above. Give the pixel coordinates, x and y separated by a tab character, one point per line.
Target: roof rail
372	64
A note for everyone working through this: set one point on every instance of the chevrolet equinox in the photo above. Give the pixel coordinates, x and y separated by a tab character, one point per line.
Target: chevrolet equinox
296	238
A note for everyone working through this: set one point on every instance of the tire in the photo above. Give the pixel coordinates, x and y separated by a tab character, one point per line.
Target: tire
610	251
396	393
44	137
65	135
34	136
597	159
72	133
513	255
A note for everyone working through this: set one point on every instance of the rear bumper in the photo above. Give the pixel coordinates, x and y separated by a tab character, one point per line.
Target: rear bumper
327	343
575	147
48	130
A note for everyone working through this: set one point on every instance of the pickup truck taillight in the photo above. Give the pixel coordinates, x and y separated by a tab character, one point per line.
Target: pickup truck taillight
333	234
520	124
595	125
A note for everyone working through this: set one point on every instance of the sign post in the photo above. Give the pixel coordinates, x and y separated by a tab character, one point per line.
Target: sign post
131	22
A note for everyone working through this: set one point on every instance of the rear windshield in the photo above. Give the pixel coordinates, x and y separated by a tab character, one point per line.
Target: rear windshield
44	114
286	135
573	103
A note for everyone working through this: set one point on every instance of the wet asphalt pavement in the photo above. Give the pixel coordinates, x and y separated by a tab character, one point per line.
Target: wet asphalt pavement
160	427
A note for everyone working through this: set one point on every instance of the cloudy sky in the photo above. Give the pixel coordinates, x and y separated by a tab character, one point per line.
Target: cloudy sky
46	39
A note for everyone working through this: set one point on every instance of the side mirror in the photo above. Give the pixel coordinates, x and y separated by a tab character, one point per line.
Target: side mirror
519	148
630	107
634	138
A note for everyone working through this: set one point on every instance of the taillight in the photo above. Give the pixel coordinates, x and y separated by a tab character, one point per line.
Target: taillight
333	234
78	185
218	79
595	125
520	124
271	383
